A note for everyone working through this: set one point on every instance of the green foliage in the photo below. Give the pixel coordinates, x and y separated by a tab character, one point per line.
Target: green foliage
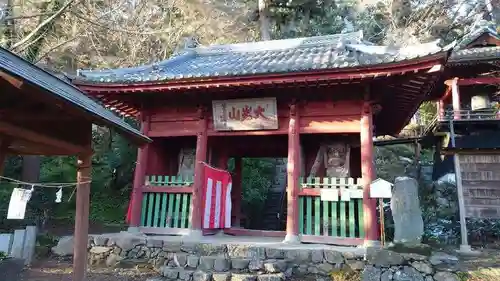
345	274
3	255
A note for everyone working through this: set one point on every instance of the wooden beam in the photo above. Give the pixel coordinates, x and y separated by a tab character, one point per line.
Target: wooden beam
12	80
474	81
82	217
17	132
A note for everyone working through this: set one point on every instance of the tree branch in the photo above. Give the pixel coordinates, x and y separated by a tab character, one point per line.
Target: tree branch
41	25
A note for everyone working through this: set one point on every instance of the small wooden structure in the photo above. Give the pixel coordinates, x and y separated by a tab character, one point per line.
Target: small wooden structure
466	125
44	115
318	101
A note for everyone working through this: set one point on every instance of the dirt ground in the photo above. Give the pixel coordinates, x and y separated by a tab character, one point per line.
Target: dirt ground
61	270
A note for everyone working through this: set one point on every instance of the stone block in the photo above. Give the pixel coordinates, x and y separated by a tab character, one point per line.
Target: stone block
245	251
100	240
170	273
207	263
371	273
180	259
128	242
271	277
113	260
272	253
298	255
355	265
408	273
187	247
154	243
422	267
207	249
202	276
29	244
18	244
171	246
186	275
445	276
383	258
332	256
97	250
256	265
275	266
406	212
221	264
237	263
316	256
444	262
221	276
193	261
243	277
325	267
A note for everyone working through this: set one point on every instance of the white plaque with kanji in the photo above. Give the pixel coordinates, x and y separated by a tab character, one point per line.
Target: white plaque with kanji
245	115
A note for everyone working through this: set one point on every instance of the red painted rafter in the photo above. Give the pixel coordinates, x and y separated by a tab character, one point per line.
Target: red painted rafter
288	78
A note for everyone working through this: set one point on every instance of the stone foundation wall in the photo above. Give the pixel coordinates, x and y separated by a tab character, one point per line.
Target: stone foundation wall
209	262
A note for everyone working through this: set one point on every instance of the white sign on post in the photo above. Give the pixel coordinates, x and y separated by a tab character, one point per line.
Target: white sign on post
17	206
380	188
329	195
245	114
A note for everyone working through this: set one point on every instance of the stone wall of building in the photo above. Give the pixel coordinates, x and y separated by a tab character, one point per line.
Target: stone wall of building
209	262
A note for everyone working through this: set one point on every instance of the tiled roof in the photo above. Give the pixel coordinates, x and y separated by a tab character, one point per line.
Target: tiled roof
10	63
475	54
475	34
275	56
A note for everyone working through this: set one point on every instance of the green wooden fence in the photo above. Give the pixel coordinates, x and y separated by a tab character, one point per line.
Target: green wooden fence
168	204
330	218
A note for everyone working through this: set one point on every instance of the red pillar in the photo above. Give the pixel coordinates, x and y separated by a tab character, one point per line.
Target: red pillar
455	95
82	217
368	174
293	174
139	176
236	193
201	156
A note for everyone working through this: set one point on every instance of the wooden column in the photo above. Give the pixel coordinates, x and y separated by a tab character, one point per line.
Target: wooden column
140	175
293	174
237	192
368	174
82	217
455	95
201	156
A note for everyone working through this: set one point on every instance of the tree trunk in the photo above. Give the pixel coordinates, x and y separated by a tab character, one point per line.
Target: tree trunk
265	26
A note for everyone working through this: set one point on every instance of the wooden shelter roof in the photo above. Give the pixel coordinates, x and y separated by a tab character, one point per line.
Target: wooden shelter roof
33	98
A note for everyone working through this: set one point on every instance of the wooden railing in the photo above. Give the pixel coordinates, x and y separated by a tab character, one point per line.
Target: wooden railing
467	114
166	204
330	221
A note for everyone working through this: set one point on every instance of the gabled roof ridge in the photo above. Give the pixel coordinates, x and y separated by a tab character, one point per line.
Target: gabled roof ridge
281	44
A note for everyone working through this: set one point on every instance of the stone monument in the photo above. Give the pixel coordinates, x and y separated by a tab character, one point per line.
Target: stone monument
406	212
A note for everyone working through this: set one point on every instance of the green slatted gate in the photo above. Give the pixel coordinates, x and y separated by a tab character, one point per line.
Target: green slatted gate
166	208
343	219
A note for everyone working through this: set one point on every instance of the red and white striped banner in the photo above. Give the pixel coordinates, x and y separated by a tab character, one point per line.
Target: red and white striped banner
216	198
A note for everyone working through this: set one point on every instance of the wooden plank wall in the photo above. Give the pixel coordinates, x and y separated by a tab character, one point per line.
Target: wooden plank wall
481	184
316	117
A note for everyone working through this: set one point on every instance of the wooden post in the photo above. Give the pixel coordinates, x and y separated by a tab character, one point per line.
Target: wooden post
201	156
82	217
368	174
455	95
293	174
139	177
237	193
